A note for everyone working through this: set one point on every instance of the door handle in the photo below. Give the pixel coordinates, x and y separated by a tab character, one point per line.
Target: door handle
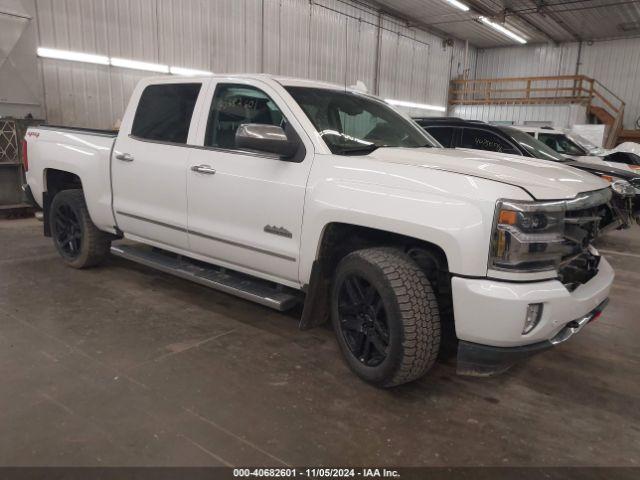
206	169
125	157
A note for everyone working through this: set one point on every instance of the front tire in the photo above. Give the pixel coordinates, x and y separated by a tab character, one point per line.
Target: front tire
385	316
77	239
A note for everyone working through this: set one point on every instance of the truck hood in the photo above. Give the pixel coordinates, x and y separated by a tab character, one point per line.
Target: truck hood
544	180
600	166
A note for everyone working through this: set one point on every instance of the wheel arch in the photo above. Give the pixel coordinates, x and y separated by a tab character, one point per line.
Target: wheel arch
55	181
339	239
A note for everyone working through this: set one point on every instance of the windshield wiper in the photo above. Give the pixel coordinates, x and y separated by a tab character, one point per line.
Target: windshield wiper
363	150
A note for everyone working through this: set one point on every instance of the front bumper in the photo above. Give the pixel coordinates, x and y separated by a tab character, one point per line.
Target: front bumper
485	360
490	314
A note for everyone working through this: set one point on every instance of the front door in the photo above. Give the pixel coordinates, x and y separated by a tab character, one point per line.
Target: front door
149	165
246	207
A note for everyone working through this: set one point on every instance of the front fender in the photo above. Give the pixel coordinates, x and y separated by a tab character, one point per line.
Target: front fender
453	211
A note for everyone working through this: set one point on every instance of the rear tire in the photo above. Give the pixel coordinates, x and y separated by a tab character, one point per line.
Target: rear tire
77	239
385	316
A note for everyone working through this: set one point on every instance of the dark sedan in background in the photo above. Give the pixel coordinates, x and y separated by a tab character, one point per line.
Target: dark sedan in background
454	132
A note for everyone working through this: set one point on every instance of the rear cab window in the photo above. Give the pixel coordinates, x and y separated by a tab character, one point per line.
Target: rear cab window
165	111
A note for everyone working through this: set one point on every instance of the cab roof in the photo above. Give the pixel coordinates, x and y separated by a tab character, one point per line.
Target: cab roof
282	80
527	128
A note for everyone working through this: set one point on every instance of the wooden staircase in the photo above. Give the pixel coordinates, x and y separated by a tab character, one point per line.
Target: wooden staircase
605	118
603	106
602	115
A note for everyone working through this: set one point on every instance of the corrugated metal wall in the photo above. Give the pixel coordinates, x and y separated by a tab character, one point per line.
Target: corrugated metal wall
615	63
536	60
20	82
558	116
330	40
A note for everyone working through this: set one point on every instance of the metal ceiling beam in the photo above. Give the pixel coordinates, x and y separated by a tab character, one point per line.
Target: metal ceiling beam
480	8
384	9
542	9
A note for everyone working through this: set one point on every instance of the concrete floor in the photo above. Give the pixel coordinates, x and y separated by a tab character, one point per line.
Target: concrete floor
121	365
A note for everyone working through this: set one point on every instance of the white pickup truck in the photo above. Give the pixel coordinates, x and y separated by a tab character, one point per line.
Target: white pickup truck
284	191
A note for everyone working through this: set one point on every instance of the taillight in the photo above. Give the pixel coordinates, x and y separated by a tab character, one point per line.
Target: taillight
25	156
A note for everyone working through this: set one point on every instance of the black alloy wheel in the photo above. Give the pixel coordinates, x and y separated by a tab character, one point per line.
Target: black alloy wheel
67	230
385	316
78	241
363	320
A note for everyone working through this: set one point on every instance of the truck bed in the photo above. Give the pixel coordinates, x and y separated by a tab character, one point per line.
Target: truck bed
84	152
91	131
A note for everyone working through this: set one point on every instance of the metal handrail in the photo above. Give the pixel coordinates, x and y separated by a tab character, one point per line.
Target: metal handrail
536	90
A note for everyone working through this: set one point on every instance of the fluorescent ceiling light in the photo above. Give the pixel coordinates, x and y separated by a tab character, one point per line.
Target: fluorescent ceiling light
72	56
135	65
458	4
188	71
118	62
423	106
501	29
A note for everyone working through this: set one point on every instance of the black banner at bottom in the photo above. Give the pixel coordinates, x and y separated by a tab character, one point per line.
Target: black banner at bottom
347	473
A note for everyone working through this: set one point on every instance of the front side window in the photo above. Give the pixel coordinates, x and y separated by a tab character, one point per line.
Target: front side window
352	123
164	112
484	140
561	144
234	105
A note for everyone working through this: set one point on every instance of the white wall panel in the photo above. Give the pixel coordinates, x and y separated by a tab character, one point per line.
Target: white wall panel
463	61
20	81
330	40
558	116
536	60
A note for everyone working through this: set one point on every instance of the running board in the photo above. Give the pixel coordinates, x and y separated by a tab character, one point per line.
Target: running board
228	281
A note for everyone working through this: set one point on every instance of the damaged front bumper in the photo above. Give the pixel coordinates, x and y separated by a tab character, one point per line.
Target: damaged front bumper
485	360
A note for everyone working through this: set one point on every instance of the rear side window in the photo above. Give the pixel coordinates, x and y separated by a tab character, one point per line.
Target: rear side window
444	135
164	112
483	140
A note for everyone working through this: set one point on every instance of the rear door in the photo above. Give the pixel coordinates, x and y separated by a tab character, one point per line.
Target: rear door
246	207
150	163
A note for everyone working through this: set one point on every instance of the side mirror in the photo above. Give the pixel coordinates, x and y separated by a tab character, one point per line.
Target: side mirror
265	138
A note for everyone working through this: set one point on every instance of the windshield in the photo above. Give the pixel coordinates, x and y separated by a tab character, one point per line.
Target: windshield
354	123
584	143
561	144
534	147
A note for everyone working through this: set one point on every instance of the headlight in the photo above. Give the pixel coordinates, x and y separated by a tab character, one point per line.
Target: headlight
623	188
528	236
